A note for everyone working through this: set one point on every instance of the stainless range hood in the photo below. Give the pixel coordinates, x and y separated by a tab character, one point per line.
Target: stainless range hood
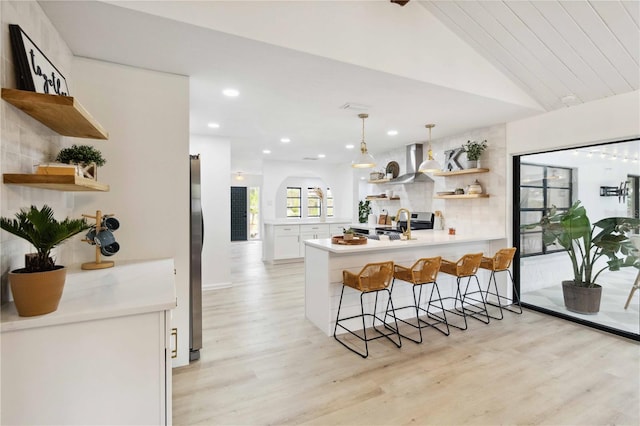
414	158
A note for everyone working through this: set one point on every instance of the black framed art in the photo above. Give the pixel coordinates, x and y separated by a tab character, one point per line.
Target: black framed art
34	71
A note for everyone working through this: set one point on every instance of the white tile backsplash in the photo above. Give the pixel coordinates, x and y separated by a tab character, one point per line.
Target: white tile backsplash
25	142
463	214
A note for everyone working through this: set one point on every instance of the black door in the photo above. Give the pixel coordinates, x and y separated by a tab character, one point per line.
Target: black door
238	213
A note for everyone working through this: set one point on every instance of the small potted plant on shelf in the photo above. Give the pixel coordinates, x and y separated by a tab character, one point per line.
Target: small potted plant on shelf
586	244
38	286
86	157
474	151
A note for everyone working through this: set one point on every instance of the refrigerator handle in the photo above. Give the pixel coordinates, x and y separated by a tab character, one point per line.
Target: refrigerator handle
202	233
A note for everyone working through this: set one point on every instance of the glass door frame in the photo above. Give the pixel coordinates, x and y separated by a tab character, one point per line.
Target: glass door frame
515	214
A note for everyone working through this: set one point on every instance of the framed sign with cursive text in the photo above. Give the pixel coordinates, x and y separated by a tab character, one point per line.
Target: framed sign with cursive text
34	71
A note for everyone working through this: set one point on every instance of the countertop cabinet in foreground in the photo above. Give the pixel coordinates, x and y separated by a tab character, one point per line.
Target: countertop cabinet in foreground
102	358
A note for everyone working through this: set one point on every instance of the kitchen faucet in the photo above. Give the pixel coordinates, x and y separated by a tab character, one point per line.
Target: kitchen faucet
407	232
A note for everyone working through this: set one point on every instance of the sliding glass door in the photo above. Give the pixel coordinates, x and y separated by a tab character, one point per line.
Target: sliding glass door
604	178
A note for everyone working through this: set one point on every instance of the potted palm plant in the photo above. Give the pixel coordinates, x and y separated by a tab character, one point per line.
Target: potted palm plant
474	150
38	286
586	244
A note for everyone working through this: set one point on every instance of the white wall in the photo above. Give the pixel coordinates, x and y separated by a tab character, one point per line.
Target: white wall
147	116
216	207
609	119
338	177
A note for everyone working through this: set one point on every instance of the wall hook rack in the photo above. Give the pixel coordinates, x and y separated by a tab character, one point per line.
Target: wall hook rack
622	192
101	243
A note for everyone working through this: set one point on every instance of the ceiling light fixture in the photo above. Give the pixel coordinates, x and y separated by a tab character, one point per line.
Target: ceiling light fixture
321	155
429	165
392	132
285	140
239	176
365	160
266	151
213	125
232	93
349	146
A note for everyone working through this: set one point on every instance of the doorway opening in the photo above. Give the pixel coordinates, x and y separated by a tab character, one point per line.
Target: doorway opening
254	213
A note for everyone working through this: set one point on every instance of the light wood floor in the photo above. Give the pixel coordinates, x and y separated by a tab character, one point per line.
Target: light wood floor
263	363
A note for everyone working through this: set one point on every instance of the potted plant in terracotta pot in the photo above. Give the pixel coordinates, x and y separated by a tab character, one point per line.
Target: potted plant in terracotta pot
348	234
38	286
474	151
86	157
586	244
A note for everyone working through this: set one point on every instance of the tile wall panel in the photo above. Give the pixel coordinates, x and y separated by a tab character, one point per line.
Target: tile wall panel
24	142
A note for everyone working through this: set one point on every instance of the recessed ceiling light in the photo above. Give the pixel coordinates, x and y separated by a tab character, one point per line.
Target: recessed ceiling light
392	132
349	146
285	140
213	125
321	155
266	151
232	93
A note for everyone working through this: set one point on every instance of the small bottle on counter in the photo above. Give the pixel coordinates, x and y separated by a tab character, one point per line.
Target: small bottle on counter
438	221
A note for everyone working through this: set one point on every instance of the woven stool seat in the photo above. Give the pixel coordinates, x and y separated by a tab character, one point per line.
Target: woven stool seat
373	278
424	271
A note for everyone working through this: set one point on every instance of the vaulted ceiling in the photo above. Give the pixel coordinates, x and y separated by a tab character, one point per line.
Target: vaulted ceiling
560	52
459	64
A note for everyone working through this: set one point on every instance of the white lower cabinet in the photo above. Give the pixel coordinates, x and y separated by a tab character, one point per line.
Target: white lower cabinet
102	358
286	242
313	232
283	242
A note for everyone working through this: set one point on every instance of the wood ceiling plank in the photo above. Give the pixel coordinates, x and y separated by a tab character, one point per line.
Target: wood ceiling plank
619	22
486	19
515	16
633	9
560	19
472	33
591	23
590	85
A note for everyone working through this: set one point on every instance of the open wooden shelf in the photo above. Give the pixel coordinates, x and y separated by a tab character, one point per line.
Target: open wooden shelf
461	196
461	172
379	181
62	114
55	182
370	198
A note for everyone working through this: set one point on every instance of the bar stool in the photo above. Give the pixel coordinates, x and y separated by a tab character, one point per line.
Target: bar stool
423	272
466	267
500	262
373	278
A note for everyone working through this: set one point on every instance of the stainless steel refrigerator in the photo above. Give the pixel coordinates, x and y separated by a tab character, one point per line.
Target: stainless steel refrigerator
195	255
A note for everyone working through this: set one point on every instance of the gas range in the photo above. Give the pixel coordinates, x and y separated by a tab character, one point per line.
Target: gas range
419	220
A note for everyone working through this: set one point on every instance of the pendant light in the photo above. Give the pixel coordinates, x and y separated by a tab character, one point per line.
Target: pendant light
429	165
365	160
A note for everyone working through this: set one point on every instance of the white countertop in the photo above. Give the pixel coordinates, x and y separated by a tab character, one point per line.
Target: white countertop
420	238
130	287
314	221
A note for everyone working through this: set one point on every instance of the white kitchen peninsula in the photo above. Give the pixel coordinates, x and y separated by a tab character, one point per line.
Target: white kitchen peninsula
284	238
102	358
325	261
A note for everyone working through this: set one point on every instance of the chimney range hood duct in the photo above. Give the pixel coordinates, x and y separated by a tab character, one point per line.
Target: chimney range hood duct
414	158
